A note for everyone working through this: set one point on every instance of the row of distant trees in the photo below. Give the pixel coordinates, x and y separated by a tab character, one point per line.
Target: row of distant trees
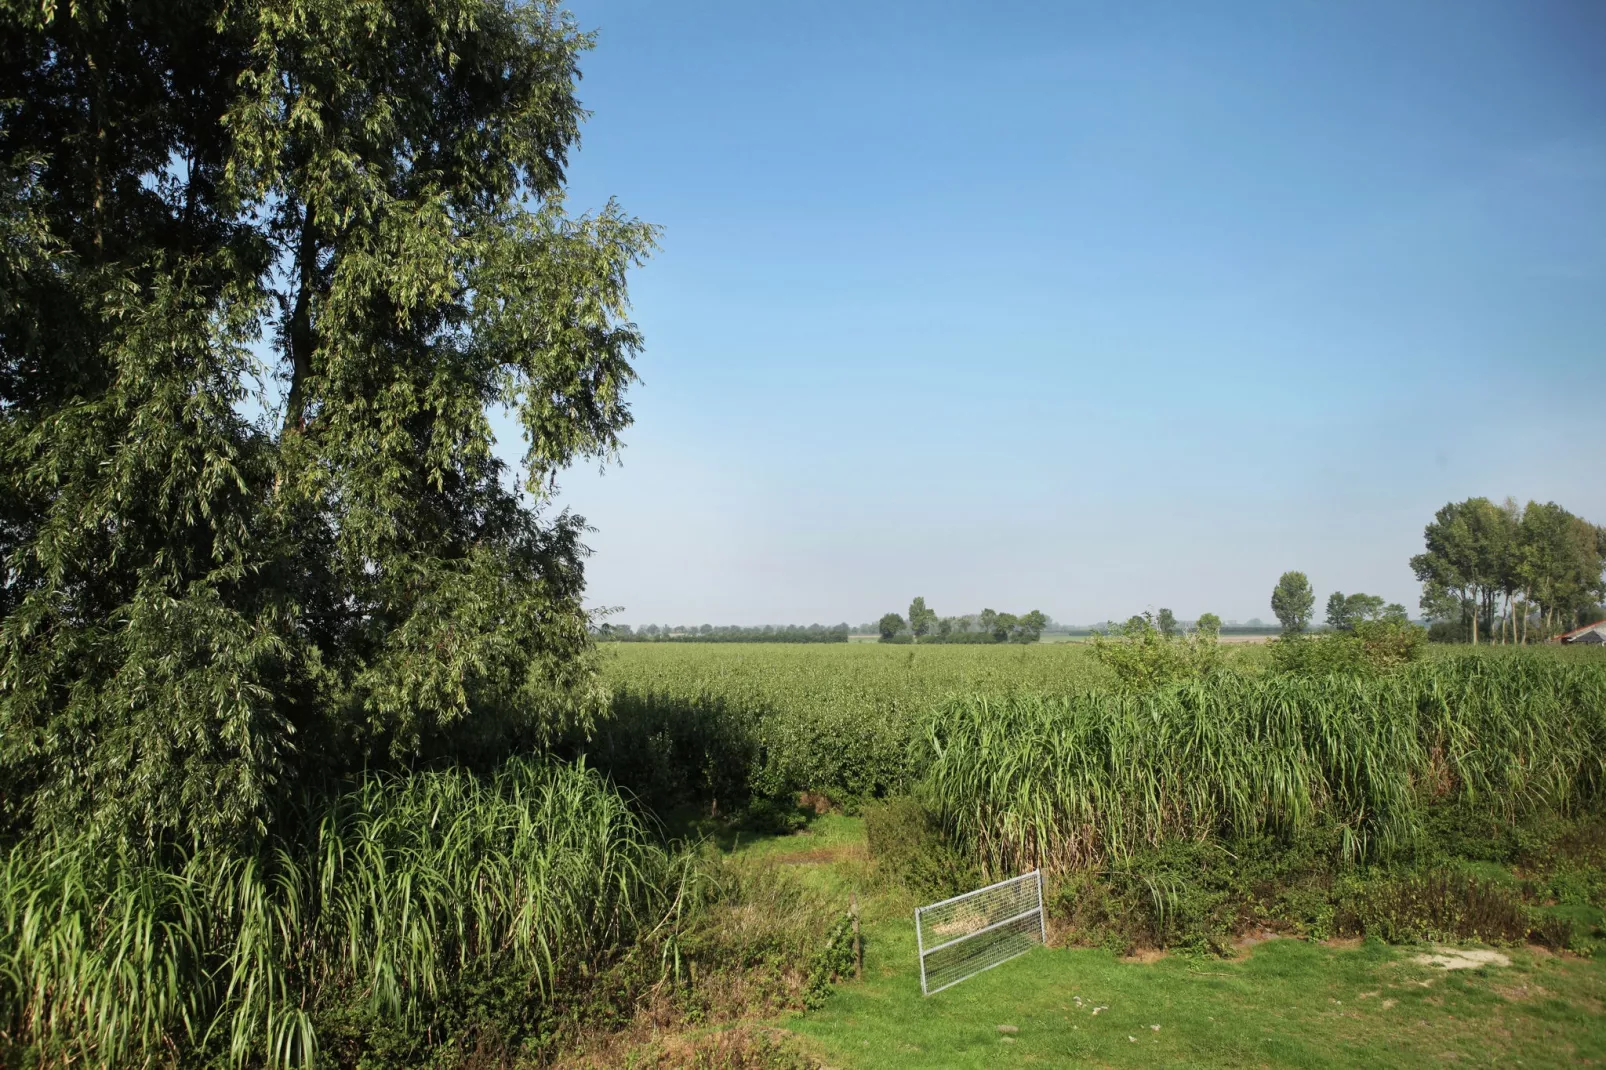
924	625
1512	572
1507	573
1164	623
1293	601
713	633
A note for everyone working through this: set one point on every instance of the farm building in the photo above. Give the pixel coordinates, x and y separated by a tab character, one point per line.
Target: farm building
1589	633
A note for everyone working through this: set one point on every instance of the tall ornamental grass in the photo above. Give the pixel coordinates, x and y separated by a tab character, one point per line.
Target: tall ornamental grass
1062	782
395	892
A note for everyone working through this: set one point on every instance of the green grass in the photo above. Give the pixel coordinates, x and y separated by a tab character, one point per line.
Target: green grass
1282	1003
398	893
1064	782
1287	1003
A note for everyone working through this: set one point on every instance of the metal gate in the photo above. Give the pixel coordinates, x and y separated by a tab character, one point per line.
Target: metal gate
960	937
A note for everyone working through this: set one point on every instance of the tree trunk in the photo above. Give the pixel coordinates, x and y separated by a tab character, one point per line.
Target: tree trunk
302	341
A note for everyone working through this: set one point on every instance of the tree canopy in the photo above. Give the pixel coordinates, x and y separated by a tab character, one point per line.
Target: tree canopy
1486	566
1292	601
263	270
1346	611
921	618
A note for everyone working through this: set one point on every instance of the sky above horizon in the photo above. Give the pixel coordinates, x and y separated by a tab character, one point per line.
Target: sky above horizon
1085	308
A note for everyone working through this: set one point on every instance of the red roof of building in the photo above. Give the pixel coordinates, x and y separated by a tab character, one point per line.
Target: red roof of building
1564	636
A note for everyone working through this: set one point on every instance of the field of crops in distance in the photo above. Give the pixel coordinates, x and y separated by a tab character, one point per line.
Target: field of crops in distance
852	674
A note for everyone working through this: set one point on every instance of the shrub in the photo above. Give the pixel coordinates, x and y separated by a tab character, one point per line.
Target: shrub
1144	656
1370	647
1443	904
908	843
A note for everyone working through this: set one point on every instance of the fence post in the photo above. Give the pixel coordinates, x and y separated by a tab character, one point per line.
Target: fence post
858	945
920	946
1042	914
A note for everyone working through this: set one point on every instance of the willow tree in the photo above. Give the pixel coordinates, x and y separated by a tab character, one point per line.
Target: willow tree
264	270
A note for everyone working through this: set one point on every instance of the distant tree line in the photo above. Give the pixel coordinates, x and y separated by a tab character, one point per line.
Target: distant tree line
989	626
711	633
1510	573
1495	573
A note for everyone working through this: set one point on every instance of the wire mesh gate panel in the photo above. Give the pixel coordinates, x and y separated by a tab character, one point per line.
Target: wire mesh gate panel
960	937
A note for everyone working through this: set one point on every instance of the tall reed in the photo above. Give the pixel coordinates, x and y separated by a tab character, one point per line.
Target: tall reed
1060	782
395	891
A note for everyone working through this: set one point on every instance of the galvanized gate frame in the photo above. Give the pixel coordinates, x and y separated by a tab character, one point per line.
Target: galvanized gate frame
920	942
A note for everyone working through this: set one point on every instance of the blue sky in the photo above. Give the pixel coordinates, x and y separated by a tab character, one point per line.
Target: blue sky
1089	308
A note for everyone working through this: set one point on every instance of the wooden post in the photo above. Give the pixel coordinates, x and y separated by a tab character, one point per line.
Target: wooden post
858	944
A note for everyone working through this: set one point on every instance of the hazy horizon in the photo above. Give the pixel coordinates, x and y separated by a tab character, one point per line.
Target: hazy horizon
1089	311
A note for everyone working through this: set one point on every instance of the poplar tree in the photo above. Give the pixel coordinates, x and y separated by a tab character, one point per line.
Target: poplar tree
264	270
1292	601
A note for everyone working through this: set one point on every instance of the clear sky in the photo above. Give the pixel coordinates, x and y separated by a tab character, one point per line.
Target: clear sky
1089	308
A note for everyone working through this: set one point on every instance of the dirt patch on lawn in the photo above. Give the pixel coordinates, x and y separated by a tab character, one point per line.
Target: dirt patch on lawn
847	852
1144	956
1462	958
1255	936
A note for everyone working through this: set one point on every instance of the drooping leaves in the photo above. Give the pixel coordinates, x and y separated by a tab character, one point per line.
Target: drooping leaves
265	270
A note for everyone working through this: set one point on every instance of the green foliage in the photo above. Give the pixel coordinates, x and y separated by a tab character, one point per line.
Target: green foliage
758	942
1346	611
1166	622
1543	563
787	634
694	723
921	618
1209	624
204	613
1144	656
1061	783
910	847
389	906
1029	629
1367	646
924	626
1292	601
1443	904
1199	895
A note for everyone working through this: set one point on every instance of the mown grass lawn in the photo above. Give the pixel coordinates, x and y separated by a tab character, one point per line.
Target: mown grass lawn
1282	1003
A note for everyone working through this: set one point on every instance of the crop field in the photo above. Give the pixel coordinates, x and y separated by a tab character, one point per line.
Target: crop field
1458	798
671	886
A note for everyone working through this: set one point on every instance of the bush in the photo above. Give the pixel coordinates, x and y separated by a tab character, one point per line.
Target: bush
1372	647
1145	657
909	845
1195	896
1444	904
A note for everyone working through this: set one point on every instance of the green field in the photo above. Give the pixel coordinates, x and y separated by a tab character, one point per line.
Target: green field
526	913
1261	803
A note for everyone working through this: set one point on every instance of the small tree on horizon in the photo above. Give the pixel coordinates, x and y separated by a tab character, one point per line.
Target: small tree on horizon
1292	601
1166	621
921	617
1346	611
889	626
